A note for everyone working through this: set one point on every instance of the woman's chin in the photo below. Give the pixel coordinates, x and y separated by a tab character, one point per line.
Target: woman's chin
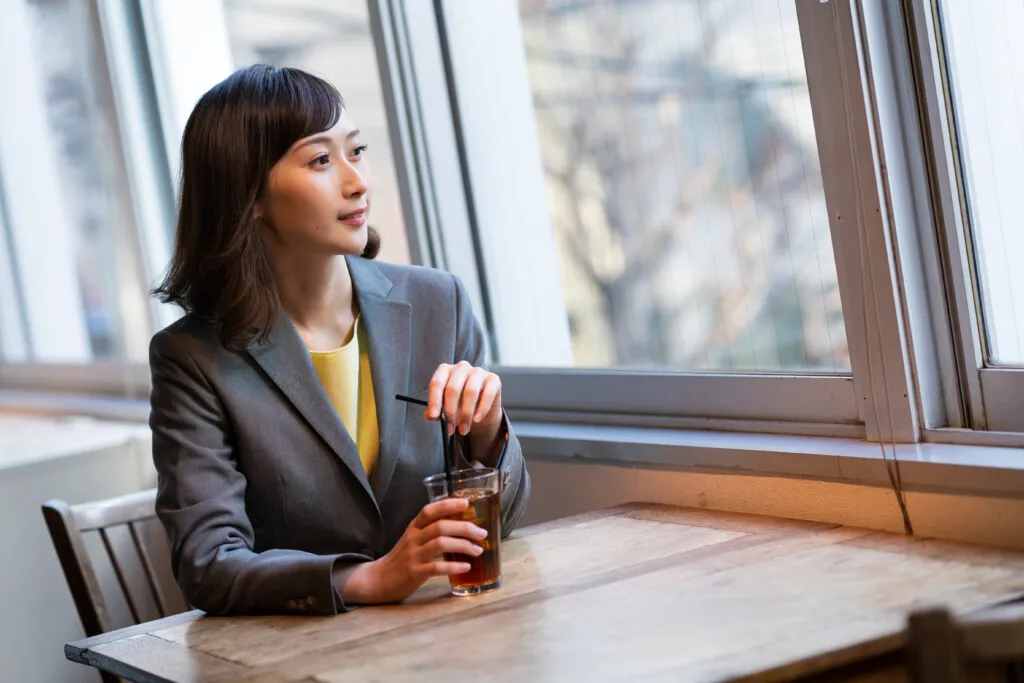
351	243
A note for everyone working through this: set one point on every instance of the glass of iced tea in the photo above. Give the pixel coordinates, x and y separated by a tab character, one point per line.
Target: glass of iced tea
482	487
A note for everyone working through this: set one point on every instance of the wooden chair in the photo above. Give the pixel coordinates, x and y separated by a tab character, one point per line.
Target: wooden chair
987	645
116	560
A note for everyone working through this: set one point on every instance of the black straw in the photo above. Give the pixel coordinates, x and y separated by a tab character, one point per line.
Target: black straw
449	480
447	455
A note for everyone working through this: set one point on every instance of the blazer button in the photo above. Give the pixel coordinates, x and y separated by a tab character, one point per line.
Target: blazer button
310	601
291	604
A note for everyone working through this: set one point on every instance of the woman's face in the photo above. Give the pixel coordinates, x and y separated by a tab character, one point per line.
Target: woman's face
317	196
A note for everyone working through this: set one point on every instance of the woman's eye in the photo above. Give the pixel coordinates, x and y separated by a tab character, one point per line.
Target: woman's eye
321	160
358	150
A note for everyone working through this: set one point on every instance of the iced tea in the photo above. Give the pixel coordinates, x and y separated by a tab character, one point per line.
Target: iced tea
484	569
481	487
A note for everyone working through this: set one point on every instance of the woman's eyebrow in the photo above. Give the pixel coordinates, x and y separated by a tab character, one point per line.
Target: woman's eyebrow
326	139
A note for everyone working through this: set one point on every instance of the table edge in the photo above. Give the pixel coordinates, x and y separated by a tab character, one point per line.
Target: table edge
116	667
75	650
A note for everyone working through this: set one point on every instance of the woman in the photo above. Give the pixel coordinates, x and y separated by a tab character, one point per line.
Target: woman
290	479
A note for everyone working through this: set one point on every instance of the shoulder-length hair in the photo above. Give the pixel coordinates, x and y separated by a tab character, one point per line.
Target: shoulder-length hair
238	130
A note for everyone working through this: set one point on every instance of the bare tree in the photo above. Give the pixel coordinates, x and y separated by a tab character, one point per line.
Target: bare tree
703	250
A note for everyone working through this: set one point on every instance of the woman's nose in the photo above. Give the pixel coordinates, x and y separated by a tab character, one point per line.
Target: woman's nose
354	185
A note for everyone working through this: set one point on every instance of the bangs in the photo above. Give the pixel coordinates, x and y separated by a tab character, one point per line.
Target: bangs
297	105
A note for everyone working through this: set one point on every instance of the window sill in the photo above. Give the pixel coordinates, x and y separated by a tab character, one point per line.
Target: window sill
925	466
992	470
30	441
17	401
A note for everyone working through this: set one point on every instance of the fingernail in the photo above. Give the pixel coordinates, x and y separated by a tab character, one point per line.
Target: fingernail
477	550
464	429
482	533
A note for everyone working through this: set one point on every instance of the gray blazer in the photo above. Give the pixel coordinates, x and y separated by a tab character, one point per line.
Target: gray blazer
261	489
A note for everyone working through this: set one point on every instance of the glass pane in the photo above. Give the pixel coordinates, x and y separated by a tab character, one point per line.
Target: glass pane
332	40
985	58
684	185
13	347
83	147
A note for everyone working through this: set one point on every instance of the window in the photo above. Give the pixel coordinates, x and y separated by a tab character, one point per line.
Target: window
767	215
985	59
649	209
683	183
74	270
973	85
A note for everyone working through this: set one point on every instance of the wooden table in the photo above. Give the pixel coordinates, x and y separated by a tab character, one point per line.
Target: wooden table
634	593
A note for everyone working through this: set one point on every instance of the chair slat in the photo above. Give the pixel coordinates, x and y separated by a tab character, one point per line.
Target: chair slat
117	561
148	570
116	558
154	542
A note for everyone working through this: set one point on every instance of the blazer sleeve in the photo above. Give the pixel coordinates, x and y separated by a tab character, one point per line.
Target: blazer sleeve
201	503
469	346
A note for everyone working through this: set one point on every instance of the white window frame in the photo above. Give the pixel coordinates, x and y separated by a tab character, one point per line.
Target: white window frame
991	399
872	403
887	168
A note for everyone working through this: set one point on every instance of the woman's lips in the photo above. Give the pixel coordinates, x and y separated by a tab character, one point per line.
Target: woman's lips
356	218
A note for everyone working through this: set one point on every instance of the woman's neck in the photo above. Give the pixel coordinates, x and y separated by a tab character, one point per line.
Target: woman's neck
319	298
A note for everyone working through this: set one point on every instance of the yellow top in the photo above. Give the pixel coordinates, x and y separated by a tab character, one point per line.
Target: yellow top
345	374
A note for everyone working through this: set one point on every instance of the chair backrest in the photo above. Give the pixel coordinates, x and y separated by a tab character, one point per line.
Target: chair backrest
116	560
987	645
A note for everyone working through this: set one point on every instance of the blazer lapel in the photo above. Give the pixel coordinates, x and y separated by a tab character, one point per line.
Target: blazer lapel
286	361
388	326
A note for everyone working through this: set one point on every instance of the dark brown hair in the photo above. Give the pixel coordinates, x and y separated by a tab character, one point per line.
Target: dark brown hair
238	130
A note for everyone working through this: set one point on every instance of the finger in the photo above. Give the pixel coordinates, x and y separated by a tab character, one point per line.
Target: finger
435	390
447	544
439	509
453	392
445	568
470	396
455	529
490	397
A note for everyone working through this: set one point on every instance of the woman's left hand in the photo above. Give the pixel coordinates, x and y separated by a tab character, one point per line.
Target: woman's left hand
471	398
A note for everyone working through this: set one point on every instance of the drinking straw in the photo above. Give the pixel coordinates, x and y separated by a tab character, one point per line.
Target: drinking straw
449	480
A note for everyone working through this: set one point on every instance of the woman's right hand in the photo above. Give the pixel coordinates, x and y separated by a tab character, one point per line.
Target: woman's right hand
417	555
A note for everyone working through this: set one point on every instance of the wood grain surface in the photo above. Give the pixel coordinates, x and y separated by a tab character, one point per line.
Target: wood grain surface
634	593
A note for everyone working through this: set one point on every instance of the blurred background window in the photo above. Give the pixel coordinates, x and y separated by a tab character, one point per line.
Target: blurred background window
684	185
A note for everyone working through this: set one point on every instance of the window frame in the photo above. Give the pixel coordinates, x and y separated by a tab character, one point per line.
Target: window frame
990	396
803	403
889	166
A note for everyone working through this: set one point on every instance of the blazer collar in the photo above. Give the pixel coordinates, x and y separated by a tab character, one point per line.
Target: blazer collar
387	324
